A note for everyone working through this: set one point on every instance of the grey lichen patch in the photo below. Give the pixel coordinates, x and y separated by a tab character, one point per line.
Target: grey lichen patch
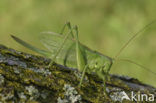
16	70
11	60
6	95
32	92
23	97
42	71
70	95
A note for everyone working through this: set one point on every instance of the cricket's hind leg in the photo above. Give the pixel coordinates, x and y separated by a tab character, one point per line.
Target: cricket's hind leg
64	40
80	56
67	24
105	88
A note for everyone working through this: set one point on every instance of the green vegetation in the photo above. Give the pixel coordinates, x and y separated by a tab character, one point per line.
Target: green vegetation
104	26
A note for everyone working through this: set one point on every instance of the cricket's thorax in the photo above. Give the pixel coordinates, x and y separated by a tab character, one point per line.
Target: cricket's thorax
98	62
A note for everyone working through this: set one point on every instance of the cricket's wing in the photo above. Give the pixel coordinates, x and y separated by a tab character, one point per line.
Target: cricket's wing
53	41
29	46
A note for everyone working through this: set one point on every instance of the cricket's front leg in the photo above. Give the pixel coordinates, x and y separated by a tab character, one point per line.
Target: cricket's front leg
105	78
104	85
106	93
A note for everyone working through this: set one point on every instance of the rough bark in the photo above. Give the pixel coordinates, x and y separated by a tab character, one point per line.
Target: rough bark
26	78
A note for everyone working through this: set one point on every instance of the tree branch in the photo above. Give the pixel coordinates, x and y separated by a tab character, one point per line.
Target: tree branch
26	78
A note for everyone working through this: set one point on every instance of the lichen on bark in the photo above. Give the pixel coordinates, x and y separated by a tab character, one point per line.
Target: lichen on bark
26	78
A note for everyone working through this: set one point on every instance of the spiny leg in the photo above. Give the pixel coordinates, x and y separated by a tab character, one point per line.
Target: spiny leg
104	83
83	75
106	76
59	49
80	56
69	27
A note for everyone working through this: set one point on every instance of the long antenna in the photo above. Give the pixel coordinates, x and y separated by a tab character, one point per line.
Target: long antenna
145	68
136	34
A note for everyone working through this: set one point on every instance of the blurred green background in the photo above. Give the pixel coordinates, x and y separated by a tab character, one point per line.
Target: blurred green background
104	25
